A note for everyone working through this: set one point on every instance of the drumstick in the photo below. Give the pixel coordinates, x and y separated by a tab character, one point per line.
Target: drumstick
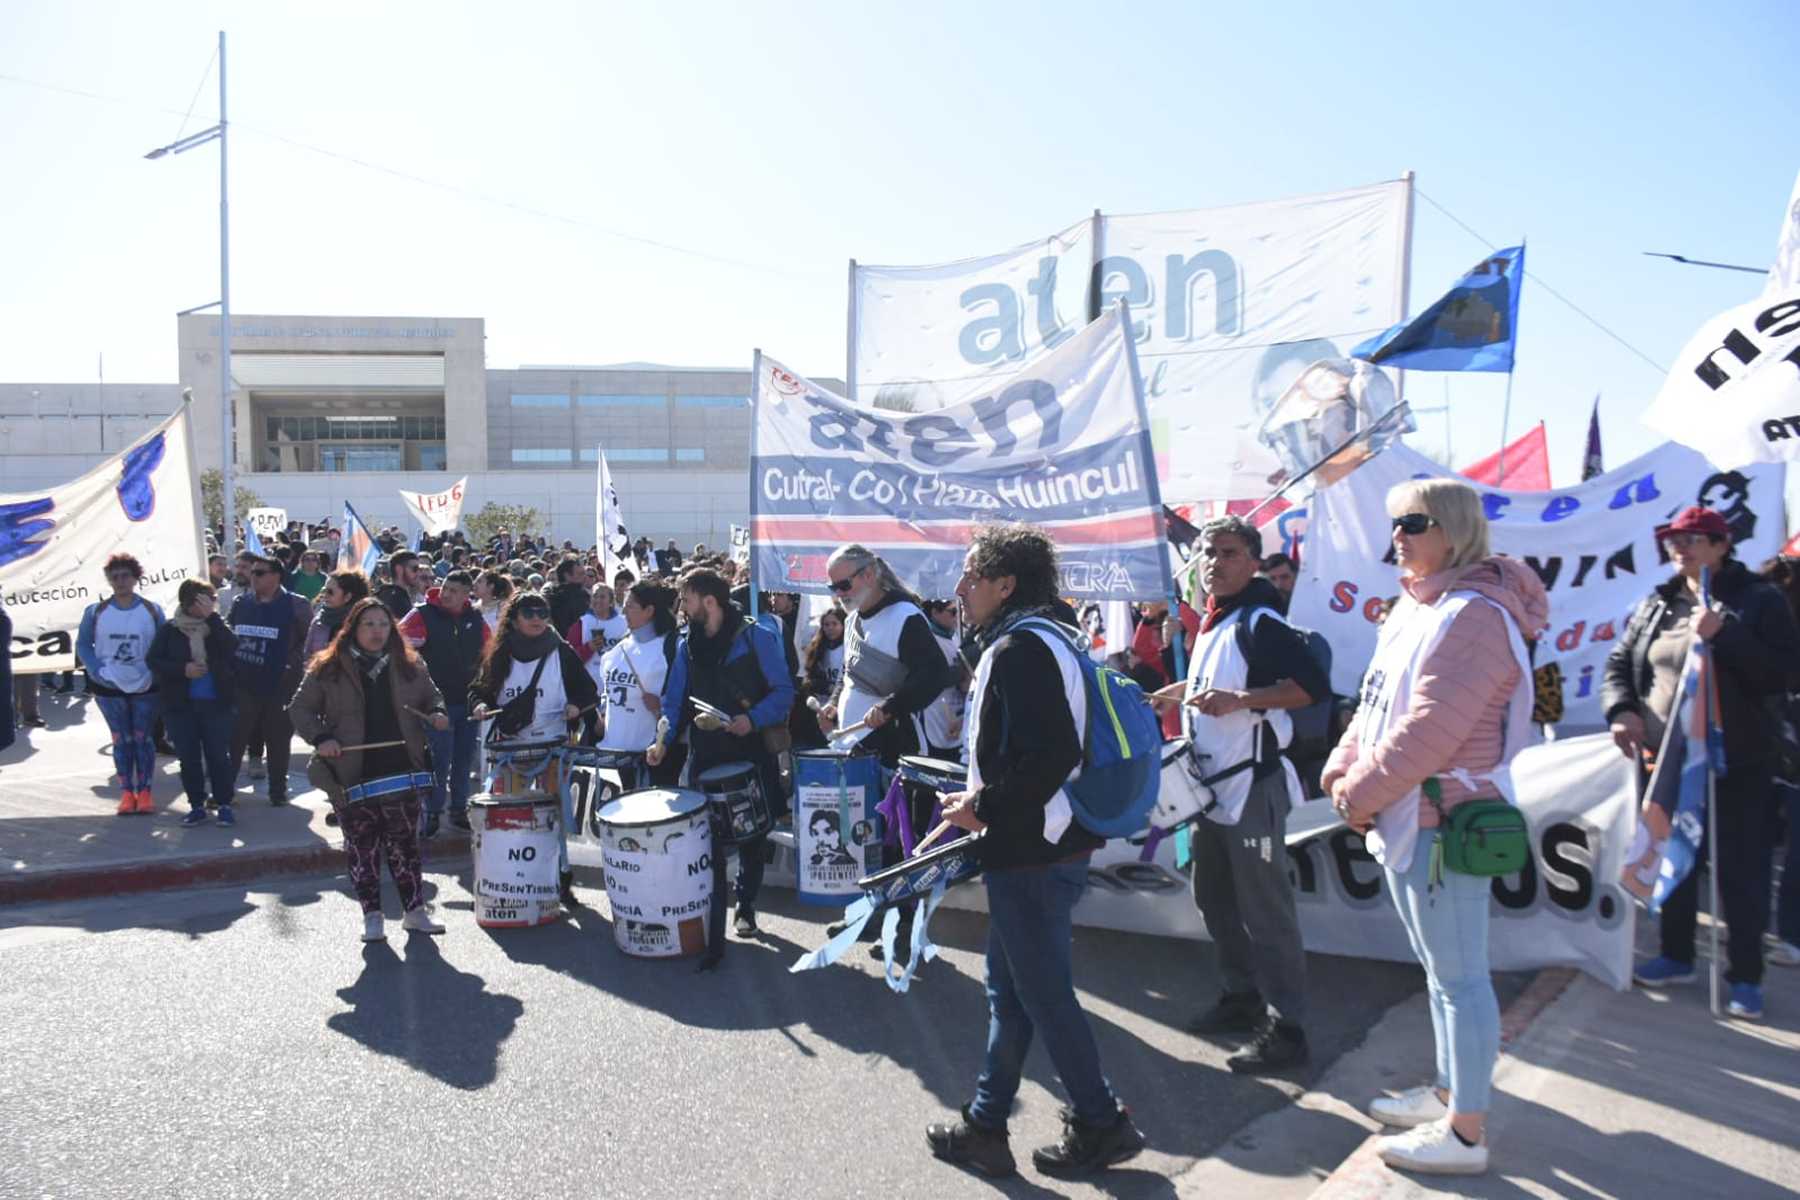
372	746
941	828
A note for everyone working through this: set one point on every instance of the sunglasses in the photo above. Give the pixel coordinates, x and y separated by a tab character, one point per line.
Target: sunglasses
841	586
534	614
1413	524
262	571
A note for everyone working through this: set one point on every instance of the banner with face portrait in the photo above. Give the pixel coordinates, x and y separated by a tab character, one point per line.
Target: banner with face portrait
1062	444
54	543
1228	305
1593	545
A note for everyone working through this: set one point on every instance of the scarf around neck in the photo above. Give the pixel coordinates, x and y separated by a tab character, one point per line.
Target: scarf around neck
196	630
530	649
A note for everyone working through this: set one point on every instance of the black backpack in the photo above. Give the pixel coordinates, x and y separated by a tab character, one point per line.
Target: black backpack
1312	724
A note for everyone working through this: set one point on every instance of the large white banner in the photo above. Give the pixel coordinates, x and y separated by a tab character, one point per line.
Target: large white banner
53	544
1734	391
438	512
1594	546
1228	306
1062	444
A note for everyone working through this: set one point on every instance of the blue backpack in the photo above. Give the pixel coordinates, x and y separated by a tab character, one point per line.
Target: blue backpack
1121	761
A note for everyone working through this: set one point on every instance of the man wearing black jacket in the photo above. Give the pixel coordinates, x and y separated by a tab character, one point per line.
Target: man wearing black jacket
1027	714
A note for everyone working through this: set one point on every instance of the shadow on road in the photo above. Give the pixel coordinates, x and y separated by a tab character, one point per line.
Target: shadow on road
423	1011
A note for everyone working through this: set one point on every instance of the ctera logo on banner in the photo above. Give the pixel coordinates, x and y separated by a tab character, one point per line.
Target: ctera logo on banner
437	512
1063	445
1228	306
53	544
1593	545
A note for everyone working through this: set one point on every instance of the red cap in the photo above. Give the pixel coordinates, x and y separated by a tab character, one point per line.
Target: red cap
1697	520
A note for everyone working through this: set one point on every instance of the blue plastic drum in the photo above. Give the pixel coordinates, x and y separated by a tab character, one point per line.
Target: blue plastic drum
837	838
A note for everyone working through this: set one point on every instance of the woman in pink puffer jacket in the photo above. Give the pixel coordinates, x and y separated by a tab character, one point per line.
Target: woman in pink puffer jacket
1446	697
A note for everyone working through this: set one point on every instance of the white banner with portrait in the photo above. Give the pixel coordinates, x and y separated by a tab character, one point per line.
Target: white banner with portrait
54	543
1228	304
1594	546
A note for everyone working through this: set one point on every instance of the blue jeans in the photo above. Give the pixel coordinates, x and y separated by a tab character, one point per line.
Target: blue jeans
452	760
1031	989
1448	928
133	750
202	736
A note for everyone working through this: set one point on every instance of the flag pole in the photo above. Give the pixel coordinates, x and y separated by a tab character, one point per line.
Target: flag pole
1374	427
1709	693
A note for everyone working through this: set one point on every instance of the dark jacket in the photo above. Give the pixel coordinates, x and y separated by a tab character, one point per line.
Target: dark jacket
171	652
568	601
330	705
1027	750
450	643
396	599
748	676
1756	652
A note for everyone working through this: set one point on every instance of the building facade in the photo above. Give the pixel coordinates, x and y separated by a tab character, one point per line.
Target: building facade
328	409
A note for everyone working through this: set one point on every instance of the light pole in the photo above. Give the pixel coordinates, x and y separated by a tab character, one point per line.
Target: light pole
227	544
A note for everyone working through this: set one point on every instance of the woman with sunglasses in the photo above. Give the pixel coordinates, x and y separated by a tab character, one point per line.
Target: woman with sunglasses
365	705
1755	652
113	645
527	662
341	590
1446	705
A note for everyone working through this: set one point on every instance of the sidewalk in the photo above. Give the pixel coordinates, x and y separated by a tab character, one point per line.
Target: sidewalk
60	840
1636	1093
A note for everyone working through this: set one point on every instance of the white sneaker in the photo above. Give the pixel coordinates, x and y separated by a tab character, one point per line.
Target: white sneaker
1783	954
372	928
1411	1108
419	920
1432	1150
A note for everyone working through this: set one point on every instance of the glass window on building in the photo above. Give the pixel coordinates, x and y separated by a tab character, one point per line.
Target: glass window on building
690	454
540	455
609	400
712	401
538	400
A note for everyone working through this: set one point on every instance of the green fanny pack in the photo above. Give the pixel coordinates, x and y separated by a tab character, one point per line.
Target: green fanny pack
1479	837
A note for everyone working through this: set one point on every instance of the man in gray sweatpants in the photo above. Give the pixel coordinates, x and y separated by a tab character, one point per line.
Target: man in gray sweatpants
1248	668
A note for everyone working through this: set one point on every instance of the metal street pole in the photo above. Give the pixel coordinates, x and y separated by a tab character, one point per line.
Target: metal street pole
228	494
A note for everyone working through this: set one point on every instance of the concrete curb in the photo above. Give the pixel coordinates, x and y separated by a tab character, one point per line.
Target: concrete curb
202	870
1363	1175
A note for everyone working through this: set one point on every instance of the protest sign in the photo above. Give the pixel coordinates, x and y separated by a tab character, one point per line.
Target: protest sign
1593	545
53	543
267	522
1063	445
437	512
1228	306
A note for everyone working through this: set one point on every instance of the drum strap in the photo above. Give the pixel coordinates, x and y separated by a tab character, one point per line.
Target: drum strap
856	917
843	804
922	948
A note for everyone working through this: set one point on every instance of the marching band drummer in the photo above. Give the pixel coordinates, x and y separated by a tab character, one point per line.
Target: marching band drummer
1024	742
893	667
369	688
526	655
633	671
736	666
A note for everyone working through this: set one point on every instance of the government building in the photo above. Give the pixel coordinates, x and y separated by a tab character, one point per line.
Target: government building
329	409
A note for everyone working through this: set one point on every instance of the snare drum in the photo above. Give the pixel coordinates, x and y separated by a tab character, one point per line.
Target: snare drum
836	840
1181	797
659	879
516	841
913	879
925	779
388	787
599	776
740	810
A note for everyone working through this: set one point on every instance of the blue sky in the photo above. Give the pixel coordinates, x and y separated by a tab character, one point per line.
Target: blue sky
775	141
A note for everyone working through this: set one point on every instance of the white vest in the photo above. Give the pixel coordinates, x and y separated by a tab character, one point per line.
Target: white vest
614	629
1222	742
1057	813
626	672
943	716
880	632
1407	638
121	640
547	723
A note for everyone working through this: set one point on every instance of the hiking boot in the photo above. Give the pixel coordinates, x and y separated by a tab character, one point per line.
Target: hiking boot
1280	1045
418	920
278	800
1234	1012
744	924
970	1144
1086	1148
430	827
565	889
459	818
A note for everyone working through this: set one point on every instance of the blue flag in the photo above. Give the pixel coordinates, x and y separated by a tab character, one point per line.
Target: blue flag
1472	327
1692	750
252	543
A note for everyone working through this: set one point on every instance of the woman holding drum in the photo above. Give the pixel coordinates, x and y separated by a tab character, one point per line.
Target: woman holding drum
363	706
533	682
633	671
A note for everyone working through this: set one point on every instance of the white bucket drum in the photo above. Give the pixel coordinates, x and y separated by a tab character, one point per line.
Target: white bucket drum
657	847
515	841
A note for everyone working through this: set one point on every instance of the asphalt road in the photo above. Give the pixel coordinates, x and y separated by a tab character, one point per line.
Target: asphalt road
237	1043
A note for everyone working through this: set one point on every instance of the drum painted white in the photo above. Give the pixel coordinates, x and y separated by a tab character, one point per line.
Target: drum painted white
657	848
515	841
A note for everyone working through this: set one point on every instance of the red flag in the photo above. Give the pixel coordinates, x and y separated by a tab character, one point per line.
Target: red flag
1527	465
